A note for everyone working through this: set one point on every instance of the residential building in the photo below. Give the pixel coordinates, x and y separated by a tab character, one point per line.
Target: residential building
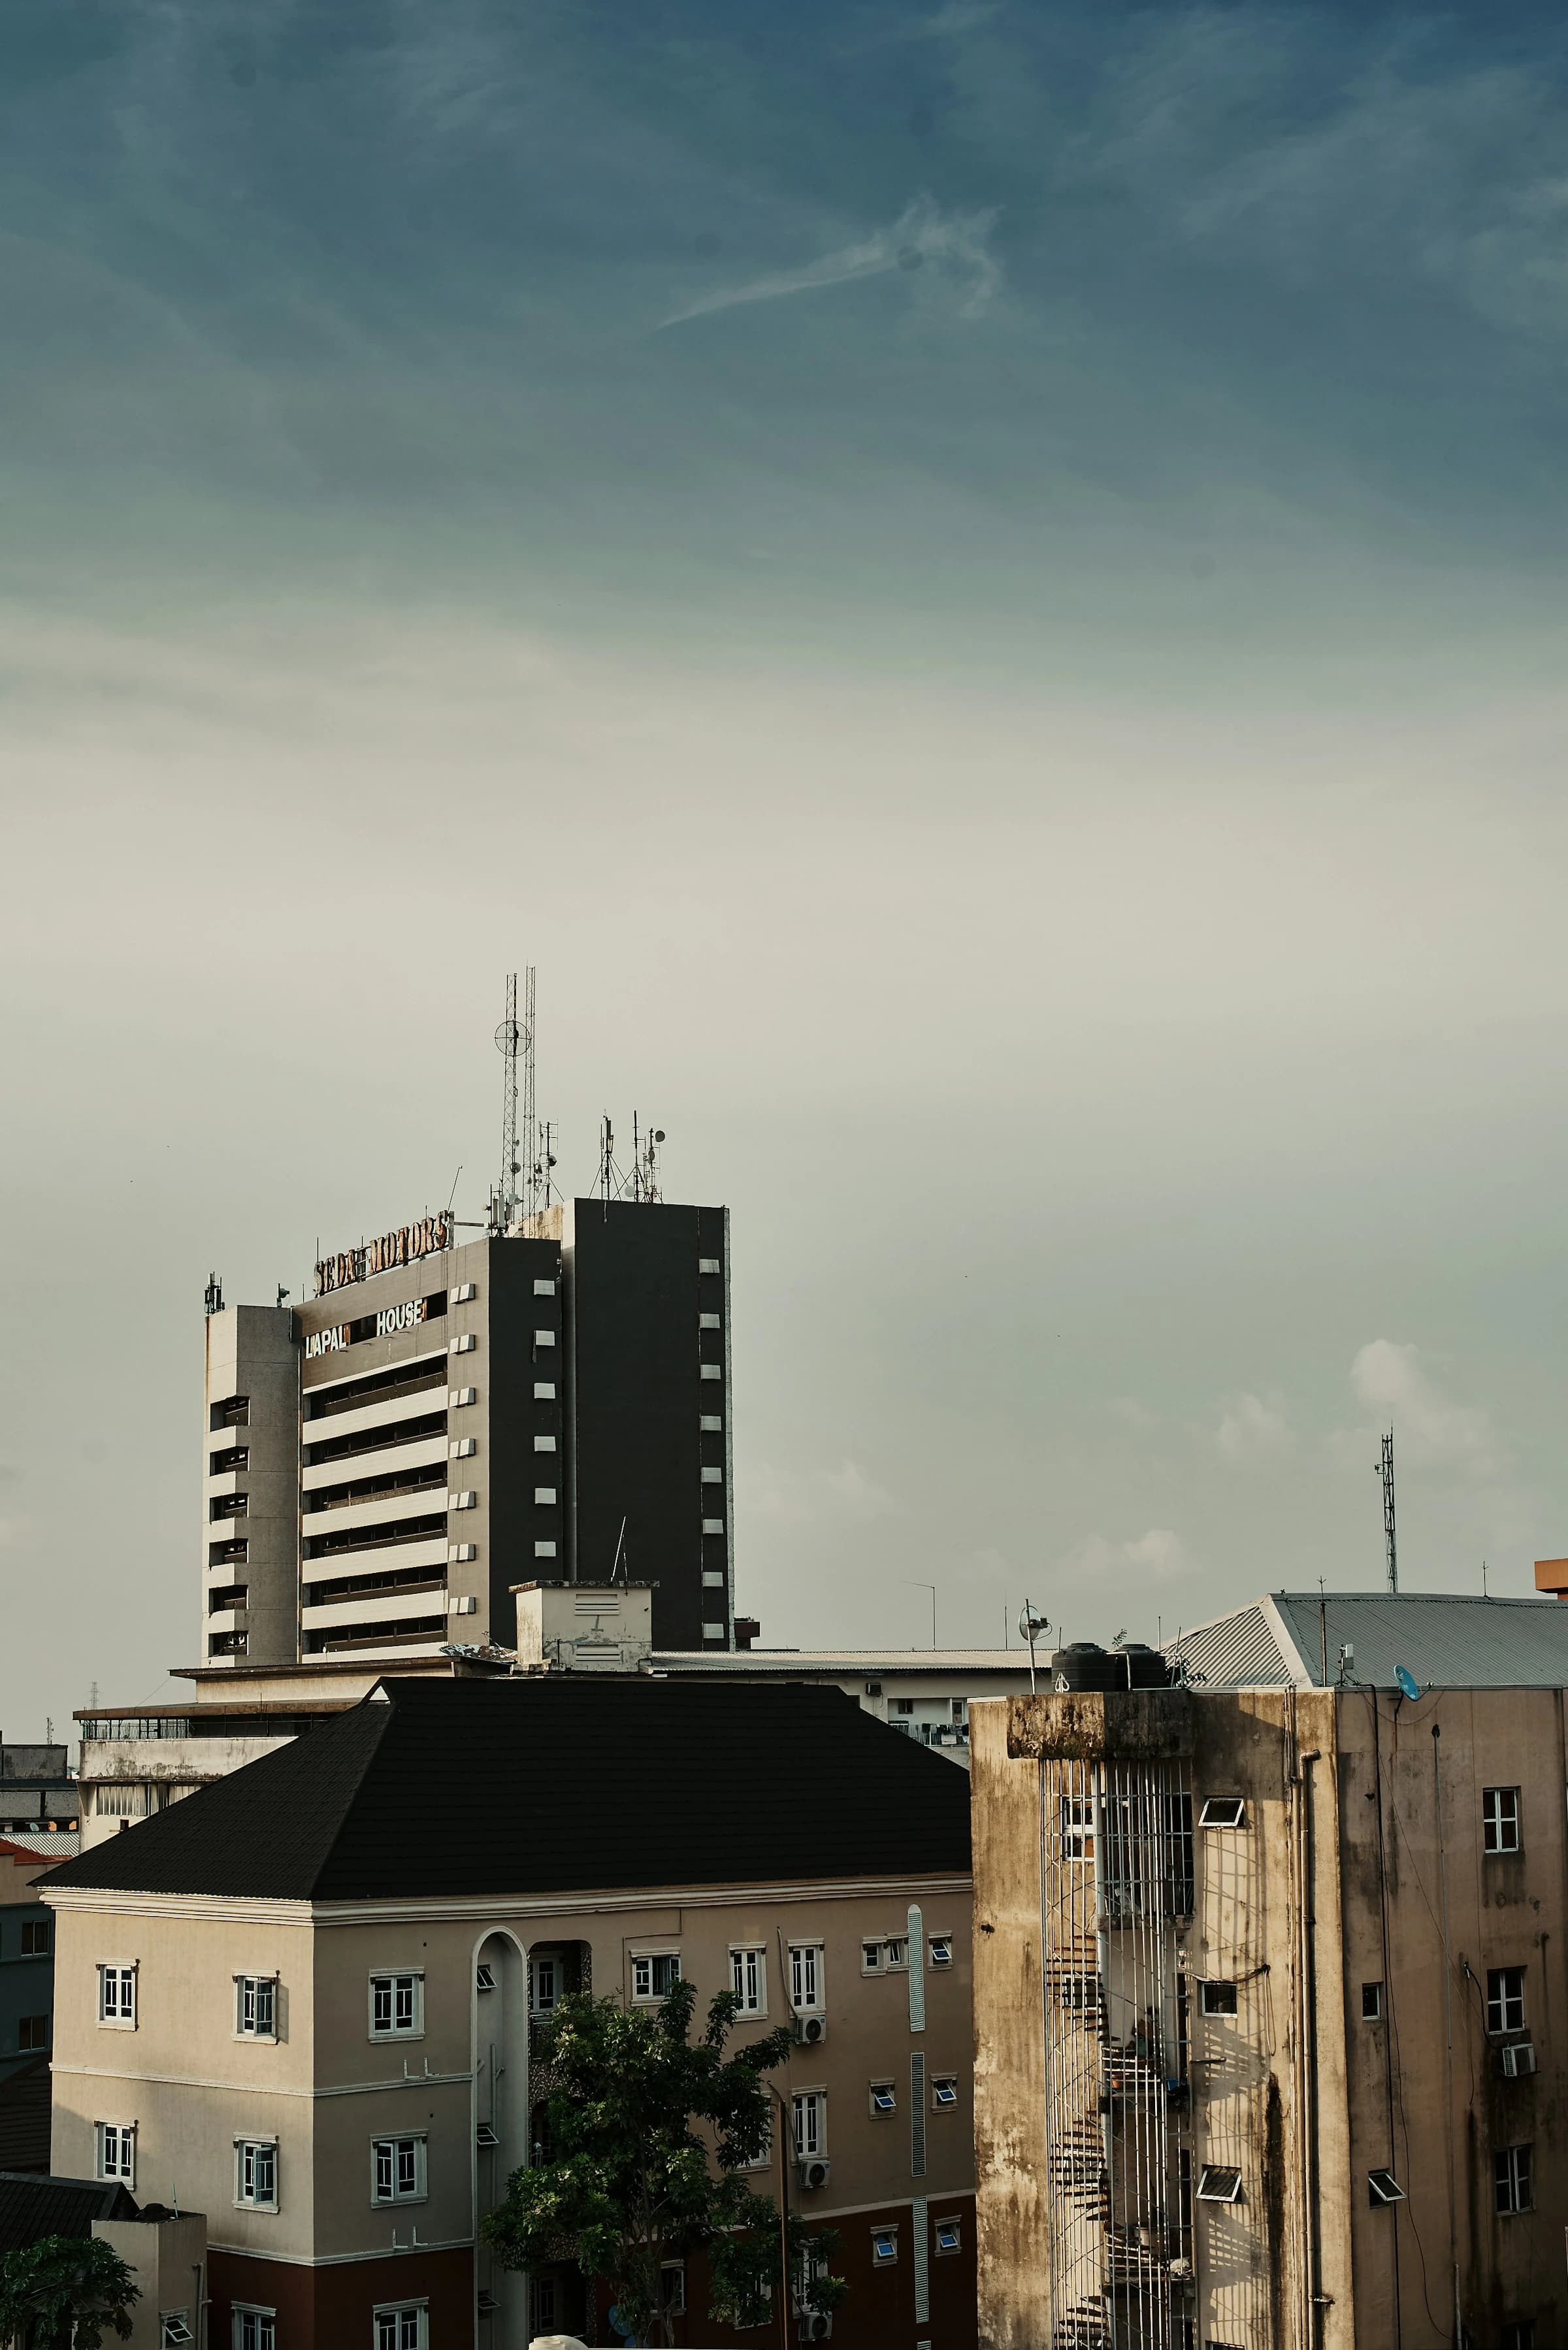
301	2000
1270	2042
27	1962
447	1419
926	1693
37	1792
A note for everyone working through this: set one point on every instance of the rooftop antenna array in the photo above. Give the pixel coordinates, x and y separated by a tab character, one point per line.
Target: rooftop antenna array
514	1041
506	1040
645	1163
1390	1540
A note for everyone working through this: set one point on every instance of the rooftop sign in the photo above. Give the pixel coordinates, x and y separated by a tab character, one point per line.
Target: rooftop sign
401	1247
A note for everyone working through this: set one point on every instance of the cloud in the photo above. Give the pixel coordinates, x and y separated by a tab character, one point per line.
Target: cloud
793	1497
1160	1553
1394	1382
922	234
1250	1427
1136	1415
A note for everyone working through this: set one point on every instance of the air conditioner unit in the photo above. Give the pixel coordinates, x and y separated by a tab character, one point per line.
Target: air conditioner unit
1518	2059
814	2171
810	2031
814	2326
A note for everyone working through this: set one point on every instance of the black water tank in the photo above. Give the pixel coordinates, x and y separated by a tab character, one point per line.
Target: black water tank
1084	1665
1146	1668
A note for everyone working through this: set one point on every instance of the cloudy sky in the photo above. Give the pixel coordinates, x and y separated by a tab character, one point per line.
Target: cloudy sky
977	585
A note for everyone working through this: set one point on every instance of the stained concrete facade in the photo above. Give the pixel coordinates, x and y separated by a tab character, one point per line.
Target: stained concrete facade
1345	1978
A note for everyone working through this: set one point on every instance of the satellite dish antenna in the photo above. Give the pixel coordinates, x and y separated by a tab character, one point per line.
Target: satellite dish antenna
1031	1624
1408	1685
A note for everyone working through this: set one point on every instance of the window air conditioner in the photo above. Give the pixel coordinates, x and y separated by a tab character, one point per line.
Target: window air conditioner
1518	2059
814	2326
814	2171
810	2030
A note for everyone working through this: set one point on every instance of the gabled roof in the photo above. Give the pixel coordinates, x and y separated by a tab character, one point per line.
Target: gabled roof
555	1784
1445	1639
33	2208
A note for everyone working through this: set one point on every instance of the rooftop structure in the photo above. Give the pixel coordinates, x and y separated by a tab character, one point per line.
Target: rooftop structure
1295	1639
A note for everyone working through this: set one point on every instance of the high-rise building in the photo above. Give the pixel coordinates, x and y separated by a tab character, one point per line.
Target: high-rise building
448	1418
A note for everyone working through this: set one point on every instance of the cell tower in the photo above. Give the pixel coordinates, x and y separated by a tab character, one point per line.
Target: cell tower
645	1186
515	1040
1390	1540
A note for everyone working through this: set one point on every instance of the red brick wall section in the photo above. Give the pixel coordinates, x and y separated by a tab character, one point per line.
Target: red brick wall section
879	2313
329	2308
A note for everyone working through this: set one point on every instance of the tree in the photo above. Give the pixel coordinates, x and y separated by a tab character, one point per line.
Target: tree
61	2293
621	2182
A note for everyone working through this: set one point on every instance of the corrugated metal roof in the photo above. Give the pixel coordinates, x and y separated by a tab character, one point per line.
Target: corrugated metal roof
1235	1651
1445	1639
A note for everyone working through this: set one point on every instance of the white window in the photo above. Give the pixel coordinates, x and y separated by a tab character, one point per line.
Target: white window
255	2329
748	1980
872	1955
398	2170
543	1444
940	1948
709	1322
884	2247
1513	2183
1223	1811
712	1526
810	2122
464	1291
654	1975
463	1448
465	1345
672	2287
712	1631
1499	1819
1077	1828
544	1390
256	2174
544	1337
1216	1998
174	2329
117	1997
255	2007
396	2006
115	2146
884	2097
545	1495
708	1264
711	1370
712	1423
403	2327
1505	1999
944	2091
544	1985
1219	2182
712	1476
896	1952
544	1550
544	1289
483	1976
459	1396
805	1977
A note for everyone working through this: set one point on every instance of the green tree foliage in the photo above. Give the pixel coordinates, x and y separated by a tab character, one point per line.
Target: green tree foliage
622	2182
62	2292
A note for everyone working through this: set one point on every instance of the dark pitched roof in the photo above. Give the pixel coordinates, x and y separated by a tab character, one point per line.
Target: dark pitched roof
25	2117
555	1785
31	2207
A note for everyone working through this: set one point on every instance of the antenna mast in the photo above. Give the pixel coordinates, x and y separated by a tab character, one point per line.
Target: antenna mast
506	1040
1390	1542
528	1121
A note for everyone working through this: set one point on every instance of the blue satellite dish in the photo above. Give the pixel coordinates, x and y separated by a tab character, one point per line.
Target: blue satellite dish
1409	1686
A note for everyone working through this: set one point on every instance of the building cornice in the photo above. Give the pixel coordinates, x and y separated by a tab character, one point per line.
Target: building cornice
235	1909
259	2089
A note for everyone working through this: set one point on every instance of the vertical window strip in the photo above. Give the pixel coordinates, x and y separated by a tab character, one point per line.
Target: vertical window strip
919	2233
917	1958
916	2114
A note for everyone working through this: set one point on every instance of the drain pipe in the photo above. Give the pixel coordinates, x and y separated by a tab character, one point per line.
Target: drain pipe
1316	2302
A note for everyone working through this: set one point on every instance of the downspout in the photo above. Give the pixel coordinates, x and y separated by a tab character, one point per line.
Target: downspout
1315	2301
1388	1994
1448	2035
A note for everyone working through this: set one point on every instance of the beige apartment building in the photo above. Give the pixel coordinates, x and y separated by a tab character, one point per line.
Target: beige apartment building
303	2001
1271	2042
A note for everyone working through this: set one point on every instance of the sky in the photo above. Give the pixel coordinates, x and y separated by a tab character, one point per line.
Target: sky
979	587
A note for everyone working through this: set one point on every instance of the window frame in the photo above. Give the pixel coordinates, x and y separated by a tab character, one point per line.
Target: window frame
118	2019
809	2105
807	1977
31	1947
264	2318
1497	1820
1384	2190
652	1996
886	2232
884	2098
1372	2013
1504	2001
1215	1806
171	2317
1513	2175
938	1950
954	2220
27	2026
1224	2183
247	2149
124	2135
393	1976
1209	2004
749	1959
672	2303
252	1987
944	2093
393	2145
